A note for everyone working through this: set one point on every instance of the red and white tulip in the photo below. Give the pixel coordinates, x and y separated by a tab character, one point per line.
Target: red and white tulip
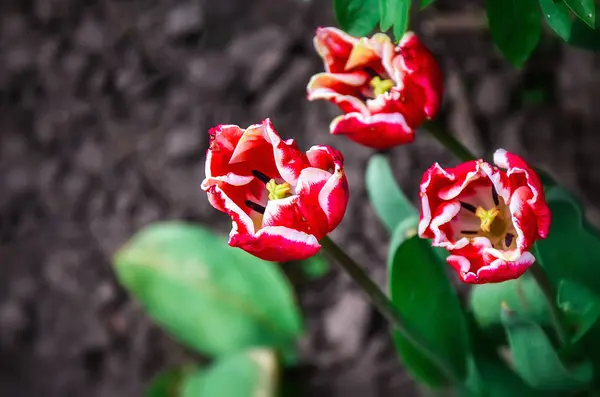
486	216
385	91
280	199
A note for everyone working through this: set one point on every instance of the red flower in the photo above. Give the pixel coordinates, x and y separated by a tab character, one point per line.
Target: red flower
487	218
385	91
281	200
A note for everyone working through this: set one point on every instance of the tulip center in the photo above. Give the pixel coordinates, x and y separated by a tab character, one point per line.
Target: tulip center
491	222
381	86
278	190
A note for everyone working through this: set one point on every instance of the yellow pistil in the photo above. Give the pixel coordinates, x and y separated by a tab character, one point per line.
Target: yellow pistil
381	86
278	191
490	221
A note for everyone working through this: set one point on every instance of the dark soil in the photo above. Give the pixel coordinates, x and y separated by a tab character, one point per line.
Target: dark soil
104	108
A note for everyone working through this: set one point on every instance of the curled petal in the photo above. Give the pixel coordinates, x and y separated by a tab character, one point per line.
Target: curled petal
277	243
516	169
241	222
362	54
339	88
334	46
421	66
288	158
325	158
222	141
523	218
378	131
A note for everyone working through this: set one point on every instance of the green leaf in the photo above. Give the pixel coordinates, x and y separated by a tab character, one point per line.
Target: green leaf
248	374
558	17
390	204
515	26
168	383
583	36
522	295
572	249
535	359
425	3
580	305
357	17
394	13
584	9
214	298
316	266
422	293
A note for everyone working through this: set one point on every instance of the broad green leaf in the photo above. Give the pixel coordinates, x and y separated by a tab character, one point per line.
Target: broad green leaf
394	13
522	295
583	36
572	249
168	383
422	293
515	26
388	201
425	3
580	305
535	359
214	298
357	17
584	9
558	16
249	374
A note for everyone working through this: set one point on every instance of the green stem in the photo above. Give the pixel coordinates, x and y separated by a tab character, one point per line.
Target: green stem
384	305
449	141
542	280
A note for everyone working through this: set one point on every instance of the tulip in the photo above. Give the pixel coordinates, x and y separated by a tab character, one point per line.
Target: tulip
281	200
487	217
385	91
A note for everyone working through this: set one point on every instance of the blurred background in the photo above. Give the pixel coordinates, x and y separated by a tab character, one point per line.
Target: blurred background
104	108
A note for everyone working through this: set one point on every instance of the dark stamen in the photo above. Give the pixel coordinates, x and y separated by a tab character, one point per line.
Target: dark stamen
261	176
468	207
371	71
508	239
253	206
495	195
468	232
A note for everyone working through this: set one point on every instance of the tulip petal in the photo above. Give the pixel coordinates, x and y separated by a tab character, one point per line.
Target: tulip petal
379	131
334	46
242	223
290	161
298	213
341	89
516	166
523	218
277	244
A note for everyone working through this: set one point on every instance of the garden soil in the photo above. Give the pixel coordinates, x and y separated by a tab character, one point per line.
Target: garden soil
104	112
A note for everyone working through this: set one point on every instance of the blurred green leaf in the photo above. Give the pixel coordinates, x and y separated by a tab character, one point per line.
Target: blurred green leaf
316	266
425	3
515	26
249	374
558	16
572	249
422	293
388	201
580	305
584	9
583	36
394	13
214	298
535	359
357	17
168	383
522	295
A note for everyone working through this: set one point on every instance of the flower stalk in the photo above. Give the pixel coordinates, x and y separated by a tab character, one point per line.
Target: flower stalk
383	304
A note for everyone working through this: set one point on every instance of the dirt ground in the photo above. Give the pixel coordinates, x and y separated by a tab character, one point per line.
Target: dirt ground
104	108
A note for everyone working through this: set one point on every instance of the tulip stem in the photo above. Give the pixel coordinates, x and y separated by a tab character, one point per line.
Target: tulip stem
542	280
449	141
383	304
